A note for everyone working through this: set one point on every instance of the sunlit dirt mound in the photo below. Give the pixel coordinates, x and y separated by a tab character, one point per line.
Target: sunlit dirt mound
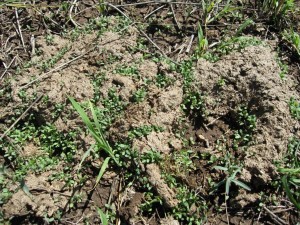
250	79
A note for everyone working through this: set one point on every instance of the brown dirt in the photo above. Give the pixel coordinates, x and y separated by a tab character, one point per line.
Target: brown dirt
72	80
43	198
251	79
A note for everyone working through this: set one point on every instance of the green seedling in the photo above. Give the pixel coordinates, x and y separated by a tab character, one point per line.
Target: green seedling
283	69
58	109
277	9
149	200
163	81
194	104
186	70
152	156
247	125
215	9
127	70
139	95
101	7
96	132
49	39
221	82
293	38
246	120
143	131
103	216
5	193
47	64
291	172
183	161
294	108
191	208
202	42
231	173
236	43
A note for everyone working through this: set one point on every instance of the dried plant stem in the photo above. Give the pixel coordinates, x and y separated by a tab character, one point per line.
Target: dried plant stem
275	217
154	11
19	29
7	67
70	13
174	15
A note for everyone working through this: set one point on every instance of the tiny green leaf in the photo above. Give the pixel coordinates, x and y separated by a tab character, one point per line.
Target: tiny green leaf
103	217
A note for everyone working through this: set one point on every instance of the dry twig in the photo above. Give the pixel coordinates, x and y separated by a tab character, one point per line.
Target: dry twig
70	13
7	67
154	11
275	217
190	44
19	29
174	15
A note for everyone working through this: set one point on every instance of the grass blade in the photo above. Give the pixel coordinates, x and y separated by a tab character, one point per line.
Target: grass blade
25	188
217	186
96	121
103	217
85	155
247	23
227	186
98	127
101	142
289	193
102	170
241	184
83	115
220	168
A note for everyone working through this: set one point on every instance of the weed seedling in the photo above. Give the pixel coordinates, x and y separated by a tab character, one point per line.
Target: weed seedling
290	171
283	69
247	125
202	42
143	131
293	38
194	104
277	10
231	173
139	95
186	70
151	156
191	208
49	39
163	81
183	162
49	63
294	108
221	82
128	71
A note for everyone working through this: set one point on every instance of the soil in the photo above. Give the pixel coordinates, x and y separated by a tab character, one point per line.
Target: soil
251	79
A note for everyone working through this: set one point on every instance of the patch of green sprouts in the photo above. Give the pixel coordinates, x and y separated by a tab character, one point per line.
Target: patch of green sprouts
290	172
